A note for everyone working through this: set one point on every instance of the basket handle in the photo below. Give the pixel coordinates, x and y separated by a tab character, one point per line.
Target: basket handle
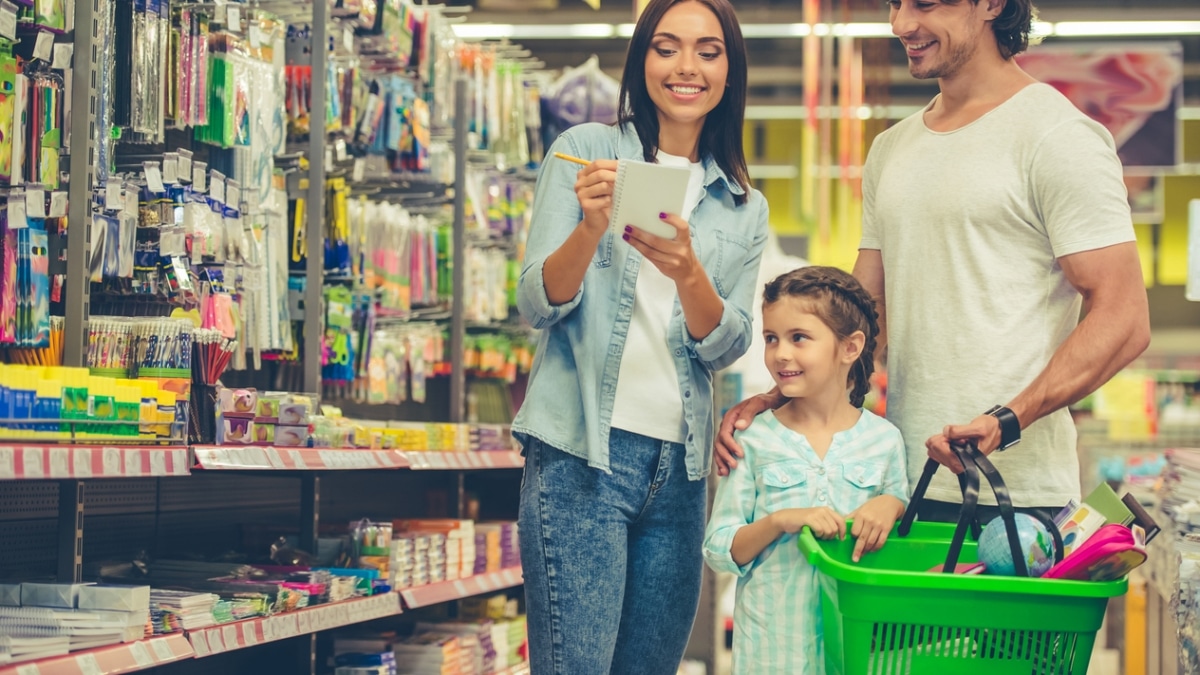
989	471
974	462
918	496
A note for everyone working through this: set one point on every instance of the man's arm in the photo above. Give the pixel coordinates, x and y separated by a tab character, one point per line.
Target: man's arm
868	269
1113	332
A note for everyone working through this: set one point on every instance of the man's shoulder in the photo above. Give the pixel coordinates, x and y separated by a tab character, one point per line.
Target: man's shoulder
1041	103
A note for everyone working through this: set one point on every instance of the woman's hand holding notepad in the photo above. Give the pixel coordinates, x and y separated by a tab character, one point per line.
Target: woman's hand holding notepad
645	190
641	192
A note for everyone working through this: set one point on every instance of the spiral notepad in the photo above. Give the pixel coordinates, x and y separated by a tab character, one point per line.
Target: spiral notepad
644	190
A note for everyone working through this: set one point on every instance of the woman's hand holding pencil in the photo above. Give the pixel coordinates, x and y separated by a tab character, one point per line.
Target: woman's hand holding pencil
594	188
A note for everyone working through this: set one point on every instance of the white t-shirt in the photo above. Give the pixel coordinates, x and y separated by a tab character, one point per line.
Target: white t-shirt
648	401
970	224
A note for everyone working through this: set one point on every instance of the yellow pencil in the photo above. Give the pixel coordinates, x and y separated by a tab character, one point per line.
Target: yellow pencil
572	159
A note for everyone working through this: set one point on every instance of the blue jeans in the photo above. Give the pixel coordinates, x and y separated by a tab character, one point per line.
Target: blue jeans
612	563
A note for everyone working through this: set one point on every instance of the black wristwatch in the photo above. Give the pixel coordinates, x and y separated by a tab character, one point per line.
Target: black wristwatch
1010	426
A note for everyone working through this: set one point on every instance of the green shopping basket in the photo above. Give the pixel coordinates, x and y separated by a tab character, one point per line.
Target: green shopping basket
888	615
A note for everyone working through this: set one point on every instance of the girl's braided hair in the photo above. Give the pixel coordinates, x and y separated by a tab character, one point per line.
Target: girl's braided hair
843	305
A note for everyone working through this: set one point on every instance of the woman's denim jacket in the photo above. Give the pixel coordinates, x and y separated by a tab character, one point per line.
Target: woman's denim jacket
569	401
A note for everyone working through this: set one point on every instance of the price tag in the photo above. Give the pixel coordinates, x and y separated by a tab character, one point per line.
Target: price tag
88	665
233	194
348	40
297	459
140	654
158	462
215	643
60	462
184	165
43	47
359	170
33	463
219	13
82	464
112	461
58	204
113	201
179	464
217	189
8	470
461	589
133	463
131	200
28	669
16	214
35	203
199	176
200	643
230	633
274	459
249	635
8	20
162	650
154	177
339	149
304	623
233	17
62	56
170	168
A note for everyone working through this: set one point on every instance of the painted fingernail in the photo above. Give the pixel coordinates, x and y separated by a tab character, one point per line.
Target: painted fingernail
662	216
625	237
629	228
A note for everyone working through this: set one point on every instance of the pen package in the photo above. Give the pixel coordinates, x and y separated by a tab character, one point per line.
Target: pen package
51	14
8	281
8	96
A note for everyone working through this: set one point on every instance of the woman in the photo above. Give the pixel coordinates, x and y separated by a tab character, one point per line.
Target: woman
617	423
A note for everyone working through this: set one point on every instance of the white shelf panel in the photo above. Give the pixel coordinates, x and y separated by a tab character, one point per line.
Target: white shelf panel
129	657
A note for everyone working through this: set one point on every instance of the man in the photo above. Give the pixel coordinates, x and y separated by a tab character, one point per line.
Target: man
989	219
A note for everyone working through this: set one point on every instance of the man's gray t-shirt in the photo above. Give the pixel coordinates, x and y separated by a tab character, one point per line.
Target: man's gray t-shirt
970	224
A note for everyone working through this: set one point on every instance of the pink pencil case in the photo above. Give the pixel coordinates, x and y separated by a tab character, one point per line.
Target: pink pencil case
1109	554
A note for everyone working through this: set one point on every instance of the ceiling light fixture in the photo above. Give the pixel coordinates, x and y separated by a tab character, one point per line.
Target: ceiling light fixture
751	31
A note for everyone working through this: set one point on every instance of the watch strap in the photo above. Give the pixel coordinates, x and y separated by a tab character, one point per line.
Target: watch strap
1010	426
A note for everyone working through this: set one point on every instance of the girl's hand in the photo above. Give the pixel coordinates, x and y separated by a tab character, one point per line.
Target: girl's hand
594	188
824	521
675	258
873	522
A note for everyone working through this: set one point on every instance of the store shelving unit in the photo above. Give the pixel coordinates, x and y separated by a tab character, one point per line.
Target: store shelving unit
129	657
256	458
55	462
253	632
447	591
54	496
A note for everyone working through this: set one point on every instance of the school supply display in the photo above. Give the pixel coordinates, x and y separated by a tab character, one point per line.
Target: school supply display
643	192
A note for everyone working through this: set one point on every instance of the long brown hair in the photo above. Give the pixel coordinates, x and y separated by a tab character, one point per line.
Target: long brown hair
721	136
841	303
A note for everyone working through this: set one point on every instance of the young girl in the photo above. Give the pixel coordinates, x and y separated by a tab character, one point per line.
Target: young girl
817	461
617	424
